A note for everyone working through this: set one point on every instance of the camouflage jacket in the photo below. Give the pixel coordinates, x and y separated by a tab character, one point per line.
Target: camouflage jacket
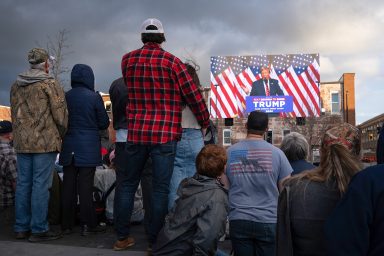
39	113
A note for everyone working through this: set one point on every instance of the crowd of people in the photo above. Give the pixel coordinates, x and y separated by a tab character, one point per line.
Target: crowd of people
276	202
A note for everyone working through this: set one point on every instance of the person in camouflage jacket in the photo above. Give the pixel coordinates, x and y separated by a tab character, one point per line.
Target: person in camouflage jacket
40	116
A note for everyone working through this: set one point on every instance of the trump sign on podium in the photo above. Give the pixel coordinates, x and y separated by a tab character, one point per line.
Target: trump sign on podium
269	104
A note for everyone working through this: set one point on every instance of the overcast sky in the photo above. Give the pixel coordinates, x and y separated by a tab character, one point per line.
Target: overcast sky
348	35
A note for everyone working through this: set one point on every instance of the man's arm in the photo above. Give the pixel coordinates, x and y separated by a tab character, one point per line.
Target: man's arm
254	89
210	226
58	106
192	95
101	113
278	90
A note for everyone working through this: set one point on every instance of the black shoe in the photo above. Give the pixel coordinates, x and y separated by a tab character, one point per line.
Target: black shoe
66	231
85	230
44	236
22	235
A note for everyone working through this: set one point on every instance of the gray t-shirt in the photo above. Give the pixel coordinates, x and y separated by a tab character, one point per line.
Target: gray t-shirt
254	169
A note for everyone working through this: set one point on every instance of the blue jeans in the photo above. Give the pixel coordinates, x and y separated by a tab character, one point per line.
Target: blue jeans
186	152
127	181
252	238
34	178
121	163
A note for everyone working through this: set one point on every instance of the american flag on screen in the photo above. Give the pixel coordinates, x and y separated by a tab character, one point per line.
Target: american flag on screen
232	78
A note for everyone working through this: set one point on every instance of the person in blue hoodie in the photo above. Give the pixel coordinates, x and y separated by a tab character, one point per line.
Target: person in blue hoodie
356	226
81	151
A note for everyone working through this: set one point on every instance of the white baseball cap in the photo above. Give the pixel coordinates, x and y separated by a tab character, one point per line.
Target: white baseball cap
153	22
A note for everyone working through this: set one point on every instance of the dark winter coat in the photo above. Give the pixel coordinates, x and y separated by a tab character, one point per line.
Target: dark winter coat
197	221
118	92
356	226
380	148
87	116
301	165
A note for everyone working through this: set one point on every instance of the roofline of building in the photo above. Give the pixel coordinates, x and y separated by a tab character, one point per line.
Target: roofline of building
372	120
335	82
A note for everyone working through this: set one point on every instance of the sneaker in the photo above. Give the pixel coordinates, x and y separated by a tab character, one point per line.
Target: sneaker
85	230
66	231
22	235
149	249
124	244
44	236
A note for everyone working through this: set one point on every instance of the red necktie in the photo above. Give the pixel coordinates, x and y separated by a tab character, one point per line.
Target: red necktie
266	88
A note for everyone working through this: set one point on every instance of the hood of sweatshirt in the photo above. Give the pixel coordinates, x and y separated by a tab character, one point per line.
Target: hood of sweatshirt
82	76
32	76
198	184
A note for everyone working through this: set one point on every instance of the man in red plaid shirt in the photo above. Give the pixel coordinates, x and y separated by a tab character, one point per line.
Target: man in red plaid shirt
158	88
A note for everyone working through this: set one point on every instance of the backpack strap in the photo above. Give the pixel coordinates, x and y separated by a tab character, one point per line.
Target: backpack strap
111	188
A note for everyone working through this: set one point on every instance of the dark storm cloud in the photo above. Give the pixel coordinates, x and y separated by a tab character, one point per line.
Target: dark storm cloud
345	33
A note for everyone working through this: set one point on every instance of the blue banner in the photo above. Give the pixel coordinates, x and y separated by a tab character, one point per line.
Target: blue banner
269	104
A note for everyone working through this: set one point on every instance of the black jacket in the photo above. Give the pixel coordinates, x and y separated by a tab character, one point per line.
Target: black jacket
197	221
259	90
118	94
380	148
356	226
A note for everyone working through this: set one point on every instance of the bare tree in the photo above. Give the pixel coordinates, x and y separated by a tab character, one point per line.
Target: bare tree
58	48
313	128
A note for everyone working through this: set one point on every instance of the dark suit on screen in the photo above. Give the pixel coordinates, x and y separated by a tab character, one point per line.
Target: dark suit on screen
259	90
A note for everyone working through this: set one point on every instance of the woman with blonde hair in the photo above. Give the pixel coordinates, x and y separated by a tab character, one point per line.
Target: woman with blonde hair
309	197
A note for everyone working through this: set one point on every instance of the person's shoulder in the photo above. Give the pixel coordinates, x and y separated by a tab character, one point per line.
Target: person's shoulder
238	145
276	149
117	84
50	83
132	53
171	57
370	174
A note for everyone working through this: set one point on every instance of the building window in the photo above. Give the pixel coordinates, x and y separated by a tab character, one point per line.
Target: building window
226	137
335	103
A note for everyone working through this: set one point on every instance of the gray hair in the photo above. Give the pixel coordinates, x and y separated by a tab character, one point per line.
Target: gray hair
295	146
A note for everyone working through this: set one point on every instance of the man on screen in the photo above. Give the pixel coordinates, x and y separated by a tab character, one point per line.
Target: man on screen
266	86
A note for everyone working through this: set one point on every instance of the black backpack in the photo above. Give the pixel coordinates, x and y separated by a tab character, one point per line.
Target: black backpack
99	202
210	135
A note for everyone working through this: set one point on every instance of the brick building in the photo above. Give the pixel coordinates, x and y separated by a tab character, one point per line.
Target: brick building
369	135
5	113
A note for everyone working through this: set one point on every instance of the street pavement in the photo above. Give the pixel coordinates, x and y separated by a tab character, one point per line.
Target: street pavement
74	244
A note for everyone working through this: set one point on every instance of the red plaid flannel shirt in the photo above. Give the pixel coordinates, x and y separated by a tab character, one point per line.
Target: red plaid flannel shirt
158	84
